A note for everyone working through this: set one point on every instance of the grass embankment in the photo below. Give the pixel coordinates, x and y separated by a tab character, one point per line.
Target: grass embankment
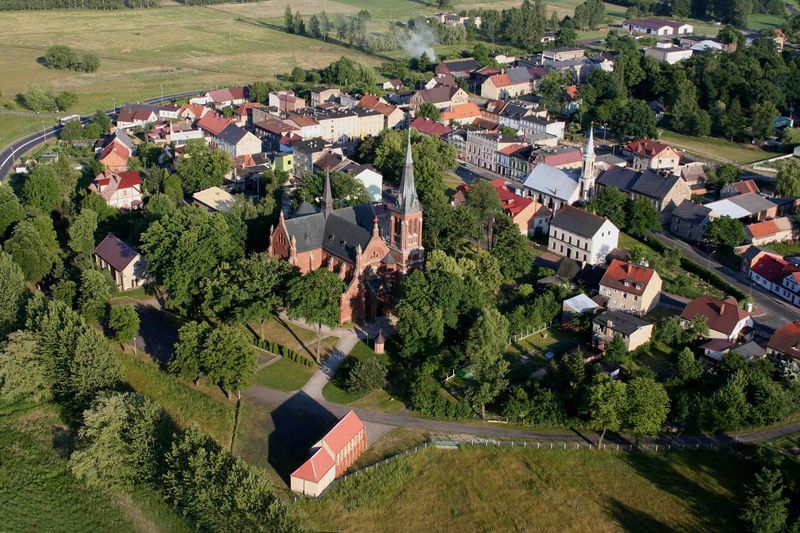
177	48
38	493
713	149
489	489
336	389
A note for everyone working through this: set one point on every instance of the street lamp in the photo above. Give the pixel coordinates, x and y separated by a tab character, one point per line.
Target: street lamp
605	127
709	258
44	132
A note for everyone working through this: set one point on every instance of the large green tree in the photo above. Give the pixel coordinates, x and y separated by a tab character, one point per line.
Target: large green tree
316	297
725	231
420	321
607	404
23	370
34	247
123	322
512	248
81	232
12	294
43	189
787	182
203	166
95	292
765	508
647	407
11	210
486	344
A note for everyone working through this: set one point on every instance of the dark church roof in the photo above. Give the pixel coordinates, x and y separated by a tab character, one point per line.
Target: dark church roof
338	234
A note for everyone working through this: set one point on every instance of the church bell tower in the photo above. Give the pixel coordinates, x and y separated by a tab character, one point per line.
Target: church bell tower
405	232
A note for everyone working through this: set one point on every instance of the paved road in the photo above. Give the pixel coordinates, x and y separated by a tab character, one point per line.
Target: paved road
19	147
777	311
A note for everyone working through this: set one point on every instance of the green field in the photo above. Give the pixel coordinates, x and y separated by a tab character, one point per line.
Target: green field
511	489
713	149
38	493
176	48
285	375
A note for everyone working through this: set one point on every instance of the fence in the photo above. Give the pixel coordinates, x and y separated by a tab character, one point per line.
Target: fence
528	333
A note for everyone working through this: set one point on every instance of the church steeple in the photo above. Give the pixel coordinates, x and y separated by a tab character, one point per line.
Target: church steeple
588	150
327	202
407	200
588	171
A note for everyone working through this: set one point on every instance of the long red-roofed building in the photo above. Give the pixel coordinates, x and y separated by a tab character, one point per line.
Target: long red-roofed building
526	213
777	275
332	456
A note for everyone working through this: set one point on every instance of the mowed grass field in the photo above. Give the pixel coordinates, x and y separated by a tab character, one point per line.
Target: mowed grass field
176	48
512	489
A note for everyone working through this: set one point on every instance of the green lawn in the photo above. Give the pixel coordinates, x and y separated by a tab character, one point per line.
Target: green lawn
179	48
285	375
764	21
714	149
658	356
299	339
550	340
336	391
784	248
38	493
512	489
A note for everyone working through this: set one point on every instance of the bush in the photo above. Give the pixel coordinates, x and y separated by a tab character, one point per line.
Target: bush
39	99
124	322
366	375
62	57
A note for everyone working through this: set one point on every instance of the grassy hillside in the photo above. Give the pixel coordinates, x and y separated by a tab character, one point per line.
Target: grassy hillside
489	489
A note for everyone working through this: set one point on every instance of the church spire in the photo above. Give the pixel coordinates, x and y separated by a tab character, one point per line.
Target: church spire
327	202
407	200
589	148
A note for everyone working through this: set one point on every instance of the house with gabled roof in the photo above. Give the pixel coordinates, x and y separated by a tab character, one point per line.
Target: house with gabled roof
461	114
133	115
630	287
655	26
633	330
749	207
582	236
779	229
430	127
738	187
228	96
458	68
690	220
331	456
663	191
121	190
192	111
785	342
213	200
236	141
441	96
213	124
115	154
725	319
128	268
650	154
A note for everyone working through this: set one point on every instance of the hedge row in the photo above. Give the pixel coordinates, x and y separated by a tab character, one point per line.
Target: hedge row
704	273
283	351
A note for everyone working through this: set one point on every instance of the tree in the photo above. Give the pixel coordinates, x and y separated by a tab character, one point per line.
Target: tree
725	174
429	111
616	352
288	19
124	322
725	231
316	297
486	343
81	233
366	375
11	210
95	293
512	249
43	189
607	404
681	8
228	358
766	508
12	294
187	361
611	203
647	407
60	57
420	322
687	369
634	120
34	247
346	189
72	131
23	370
787	182
642	217
203	166
121	441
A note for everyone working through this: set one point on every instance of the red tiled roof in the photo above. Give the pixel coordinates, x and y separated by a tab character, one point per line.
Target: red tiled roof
274	126
470	109
501	80
773	268
647	147
213	123
368	101
786	340
117	149
511	149
745	186
763	229
627	277
572	91
722	315
429	127
316	467
195	109
513	204
560	158
343	432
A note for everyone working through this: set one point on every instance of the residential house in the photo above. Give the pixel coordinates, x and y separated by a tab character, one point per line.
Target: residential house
563	54
244	113
515	82
121	190
785	342
447	80
459	68
461	114
228	96
237	141
331	456
168	112
393	84
669	53
582	236
321	95
654	26
649	154
179	133
689	221
213	125
454	19
430	127
369	255
633	330
512	161
663	191
749	207
532	126
306	126
632	288
331	161
393	116
694	173
716	349
482	148
136	115
559	157
213	199
779	229
738	187
478	77
128	268
273	132
776	275
306	154
528	215
115	154
725	319
286	101
442	97
369	177
192	111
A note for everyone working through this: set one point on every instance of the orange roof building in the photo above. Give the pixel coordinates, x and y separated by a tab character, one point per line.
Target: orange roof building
114	157
632	288
654	155
331	457
461	114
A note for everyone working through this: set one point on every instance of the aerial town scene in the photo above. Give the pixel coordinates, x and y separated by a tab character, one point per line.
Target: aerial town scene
399	265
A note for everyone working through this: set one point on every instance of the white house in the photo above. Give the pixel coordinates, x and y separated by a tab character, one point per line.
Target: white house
237	141
669	53
126	265
653	26
579	235
120	190
367	175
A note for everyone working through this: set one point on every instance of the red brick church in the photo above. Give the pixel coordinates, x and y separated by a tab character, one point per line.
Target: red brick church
368	254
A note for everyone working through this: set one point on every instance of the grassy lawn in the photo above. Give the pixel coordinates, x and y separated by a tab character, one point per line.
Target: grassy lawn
764	21
395	441
299	339
784	248
550	340
658	356
508	489
183	402
38	493
335	391
285	375
179	48
715	149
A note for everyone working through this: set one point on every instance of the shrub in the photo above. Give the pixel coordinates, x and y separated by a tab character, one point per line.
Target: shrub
366	375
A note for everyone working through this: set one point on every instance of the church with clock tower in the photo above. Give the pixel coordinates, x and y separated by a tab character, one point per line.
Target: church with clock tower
368	251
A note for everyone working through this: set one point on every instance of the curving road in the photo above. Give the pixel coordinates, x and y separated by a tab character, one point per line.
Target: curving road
19	147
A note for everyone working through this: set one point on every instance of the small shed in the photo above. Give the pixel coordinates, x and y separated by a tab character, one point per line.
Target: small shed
577	305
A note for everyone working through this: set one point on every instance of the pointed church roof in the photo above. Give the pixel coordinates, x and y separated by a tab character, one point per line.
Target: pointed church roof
327	202
589	148
407	200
